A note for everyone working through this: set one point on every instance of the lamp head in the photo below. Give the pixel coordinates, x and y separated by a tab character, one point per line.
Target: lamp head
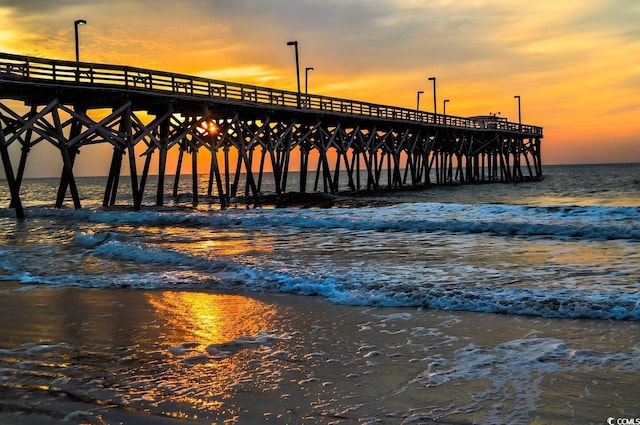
81	22
292	43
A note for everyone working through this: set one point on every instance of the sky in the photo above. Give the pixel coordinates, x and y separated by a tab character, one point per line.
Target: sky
574	63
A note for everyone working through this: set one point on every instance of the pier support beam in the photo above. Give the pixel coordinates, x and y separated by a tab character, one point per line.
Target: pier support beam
111	188
16	203
67	180
390	153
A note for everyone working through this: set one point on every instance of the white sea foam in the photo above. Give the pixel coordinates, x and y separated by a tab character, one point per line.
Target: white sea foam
448	296
201	352
514	370
593	222
91	239
423	254
397	286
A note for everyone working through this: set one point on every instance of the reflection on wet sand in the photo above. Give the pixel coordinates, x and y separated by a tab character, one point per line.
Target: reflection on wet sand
199	379
210	318
173	358
134	356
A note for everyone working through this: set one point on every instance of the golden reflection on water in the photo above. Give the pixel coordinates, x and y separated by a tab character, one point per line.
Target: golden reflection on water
133	335
210	318
197	320
218	242
225	247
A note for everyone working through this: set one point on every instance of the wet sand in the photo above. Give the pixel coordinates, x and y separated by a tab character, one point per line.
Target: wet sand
72	355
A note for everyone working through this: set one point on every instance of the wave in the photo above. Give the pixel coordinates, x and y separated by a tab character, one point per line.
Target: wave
172	268
444	284
580	222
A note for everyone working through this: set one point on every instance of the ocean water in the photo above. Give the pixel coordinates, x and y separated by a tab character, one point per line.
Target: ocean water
563	252
564	247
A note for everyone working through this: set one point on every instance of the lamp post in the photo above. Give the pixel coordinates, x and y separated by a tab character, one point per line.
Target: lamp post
295	45
444	110
519	113
418	101
435	110
306	79
75	25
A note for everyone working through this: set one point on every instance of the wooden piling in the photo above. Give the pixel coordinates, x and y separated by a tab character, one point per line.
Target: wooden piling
11	181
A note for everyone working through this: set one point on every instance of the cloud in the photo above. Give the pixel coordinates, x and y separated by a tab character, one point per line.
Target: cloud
570	60
256	73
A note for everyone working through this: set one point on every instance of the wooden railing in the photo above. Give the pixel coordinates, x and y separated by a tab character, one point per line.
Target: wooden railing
84	74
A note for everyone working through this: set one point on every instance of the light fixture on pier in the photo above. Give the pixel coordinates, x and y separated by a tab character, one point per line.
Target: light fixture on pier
418	100
306	79
295	45
435	110
519	112
77	23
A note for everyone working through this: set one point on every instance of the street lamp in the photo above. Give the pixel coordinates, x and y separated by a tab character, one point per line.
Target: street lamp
519	113
295	45
306	79
418	102
435	111
75	25
444	109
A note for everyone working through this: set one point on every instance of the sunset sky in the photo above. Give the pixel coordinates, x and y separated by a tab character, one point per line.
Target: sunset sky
574	63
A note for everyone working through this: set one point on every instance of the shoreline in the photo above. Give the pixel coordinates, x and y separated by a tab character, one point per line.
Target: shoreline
189	356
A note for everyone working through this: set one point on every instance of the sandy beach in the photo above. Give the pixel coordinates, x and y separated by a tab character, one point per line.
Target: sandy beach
71	355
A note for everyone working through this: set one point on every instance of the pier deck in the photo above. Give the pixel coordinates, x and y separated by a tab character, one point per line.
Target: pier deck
264	127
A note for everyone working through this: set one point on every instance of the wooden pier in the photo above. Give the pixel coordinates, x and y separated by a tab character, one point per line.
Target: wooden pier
394	147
